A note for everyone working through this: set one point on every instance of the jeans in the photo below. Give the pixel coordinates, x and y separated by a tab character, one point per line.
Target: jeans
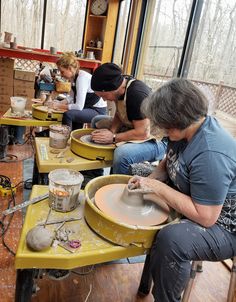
76	118
98	118
174	248
130	153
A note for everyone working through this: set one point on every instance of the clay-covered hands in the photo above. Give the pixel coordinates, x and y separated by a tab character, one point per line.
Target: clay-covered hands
149	187
102	136
142	184
58	105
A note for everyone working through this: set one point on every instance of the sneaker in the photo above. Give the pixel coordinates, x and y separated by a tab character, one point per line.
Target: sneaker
58	274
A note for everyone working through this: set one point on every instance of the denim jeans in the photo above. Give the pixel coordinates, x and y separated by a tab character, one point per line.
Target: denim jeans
76	118
130	153
174	248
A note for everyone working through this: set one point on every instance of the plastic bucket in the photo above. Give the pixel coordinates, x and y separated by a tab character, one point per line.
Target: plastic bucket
18	104
64	188
58	136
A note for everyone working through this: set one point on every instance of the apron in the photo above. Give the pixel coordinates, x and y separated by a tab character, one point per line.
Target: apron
122	114
121	109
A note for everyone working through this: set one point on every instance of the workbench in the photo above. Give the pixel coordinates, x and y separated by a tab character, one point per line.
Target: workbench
8	119
47	161
93	250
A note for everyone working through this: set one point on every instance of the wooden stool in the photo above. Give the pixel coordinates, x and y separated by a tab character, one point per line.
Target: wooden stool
197	267
146	280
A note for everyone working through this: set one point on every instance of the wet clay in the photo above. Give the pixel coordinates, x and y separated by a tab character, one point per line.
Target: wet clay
129	207
88	140
39	238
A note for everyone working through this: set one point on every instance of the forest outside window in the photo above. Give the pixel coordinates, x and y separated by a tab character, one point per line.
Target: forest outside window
64	22
24	20
163	38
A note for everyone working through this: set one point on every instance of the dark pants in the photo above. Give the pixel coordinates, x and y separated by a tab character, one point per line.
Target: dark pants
173	249
76	118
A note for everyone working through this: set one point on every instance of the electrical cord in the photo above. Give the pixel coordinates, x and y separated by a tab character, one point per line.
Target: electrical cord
5	182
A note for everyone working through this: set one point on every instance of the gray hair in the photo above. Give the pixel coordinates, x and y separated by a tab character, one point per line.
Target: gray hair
177	104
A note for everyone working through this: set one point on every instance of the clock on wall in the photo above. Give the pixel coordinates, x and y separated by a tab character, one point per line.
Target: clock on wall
98	7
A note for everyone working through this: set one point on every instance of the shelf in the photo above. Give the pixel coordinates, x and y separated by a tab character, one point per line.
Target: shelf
94	48
97	16
43	56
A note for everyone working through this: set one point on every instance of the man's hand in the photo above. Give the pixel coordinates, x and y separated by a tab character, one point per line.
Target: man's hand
102	136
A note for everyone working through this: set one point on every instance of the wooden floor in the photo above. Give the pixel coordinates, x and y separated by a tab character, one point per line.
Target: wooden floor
108	282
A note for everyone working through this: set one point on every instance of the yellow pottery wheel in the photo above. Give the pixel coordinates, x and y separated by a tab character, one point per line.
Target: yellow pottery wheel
41	113
89	150
117	232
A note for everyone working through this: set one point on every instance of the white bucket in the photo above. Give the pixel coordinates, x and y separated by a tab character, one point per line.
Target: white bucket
18	104
64	188
58	136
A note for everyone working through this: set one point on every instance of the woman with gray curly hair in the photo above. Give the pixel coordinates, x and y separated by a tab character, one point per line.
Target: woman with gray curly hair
197	179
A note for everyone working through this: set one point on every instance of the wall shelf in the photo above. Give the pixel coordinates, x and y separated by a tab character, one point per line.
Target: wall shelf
94	48
102	28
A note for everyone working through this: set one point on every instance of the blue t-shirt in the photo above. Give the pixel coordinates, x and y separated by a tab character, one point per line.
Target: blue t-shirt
205	169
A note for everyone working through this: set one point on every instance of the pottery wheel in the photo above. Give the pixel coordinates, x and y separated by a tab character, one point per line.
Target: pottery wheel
111	200
88	140
46	109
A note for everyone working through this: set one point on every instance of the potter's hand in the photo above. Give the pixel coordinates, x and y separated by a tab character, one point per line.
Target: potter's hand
56	105
141	184
134	183
102	136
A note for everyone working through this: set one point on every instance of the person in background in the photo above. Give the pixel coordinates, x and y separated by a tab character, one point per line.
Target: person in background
82	104
197	179
129	128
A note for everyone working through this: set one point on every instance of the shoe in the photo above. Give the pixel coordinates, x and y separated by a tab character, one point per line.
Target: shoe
58	274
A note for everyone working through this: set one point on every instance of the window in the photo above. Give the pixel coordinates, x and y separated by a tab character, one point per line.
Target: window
162	40
24	20
121	32
65	24
214	56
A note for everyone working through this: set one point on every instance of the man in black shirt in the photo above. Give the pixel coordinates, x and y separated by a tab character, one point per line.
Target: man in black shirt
128	129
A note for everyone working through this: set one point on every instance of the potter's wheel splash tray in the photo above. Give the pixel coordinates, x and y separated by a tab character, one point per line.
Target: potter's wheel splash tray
129	208
41	112
82	145
110	228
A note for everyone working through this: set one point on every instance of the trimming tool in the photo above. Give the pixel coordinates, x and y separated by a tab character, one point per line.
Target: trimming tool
25	204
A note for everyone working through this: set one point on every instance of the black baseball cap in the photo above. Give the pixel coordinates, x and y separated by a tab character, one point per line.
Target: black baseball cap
107	77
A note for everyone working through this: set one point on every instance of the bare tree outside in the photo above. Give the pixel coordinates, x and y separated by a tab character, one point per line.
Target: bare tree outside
214	56
121	30
23	18
64	22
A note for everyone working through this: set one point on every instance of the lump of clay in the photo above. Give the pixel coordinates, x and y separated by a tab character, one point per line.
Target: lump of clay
39	238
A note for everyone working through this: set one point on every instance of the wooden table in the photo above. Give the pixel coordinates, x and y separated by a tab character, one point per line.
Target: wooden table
93	250
46	161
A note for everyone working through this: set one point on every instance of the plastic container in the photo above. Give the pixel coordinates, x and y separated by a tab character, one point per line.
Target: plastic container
64	188
63	86
18	104
47	86
58	136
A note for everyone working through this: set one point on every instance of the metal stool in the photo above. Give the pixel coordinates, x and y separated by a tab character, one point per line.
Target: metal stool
146	280
197	267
